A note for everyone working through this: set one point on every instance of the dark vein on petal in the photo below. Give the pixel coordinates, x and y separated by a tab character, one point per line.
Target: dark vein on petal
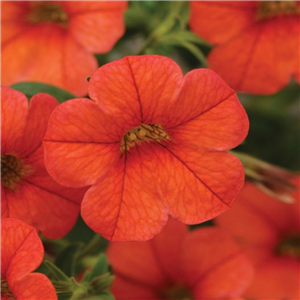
202	113
121	200
137	91
197	177
250	58
20	248
50	192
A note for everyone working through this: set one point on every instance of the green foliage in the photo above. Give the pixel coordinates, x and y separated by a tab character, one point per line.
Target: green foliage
31	88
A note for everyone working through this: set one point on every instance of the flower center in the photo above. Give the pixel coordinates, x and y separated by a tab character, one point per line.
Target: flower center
144	132
5	290
12	171
290	246
177	292
269	9
48	12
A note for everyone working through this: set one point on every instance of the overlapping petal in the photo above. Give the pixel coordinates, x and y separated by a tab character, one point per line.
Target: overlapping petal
137	89
70	62
177	258
37	199
255	61
81	137
238	15
96	25
276	278
34	287
14	111
21	253
204	264
40	109
207	114
268	218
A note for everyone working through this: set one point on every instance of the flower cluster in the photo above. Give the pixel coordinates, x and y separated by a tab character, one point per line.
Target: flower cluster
126	192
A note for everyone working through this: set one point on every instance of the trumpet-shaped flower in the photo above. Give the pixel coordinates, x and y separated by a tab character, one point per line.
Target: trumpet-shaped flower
28	192
21	253
53	41
203	264
270	233
151	143
257	42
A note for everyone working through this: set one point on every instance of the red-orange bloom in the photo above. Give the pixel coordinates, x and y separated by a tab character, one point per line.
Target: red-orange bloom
28	192
21	253
257	41
270	233
203	264
53	41
151	143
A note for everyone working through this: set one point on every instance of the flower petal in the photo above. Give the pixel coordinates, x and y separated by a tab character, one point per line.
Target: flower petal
200	185
127	203
14	110
207	18
34	287
97	26
136	89
41	106
214	265
68	68
256	60
268	219
207	114
125	288
80	137
278	278
21	249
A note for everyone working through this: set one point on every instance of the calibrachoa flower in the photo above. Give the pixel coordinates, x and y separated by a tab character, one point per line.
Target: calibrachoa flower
177	264
28	192
53	41
270	233
257	42
151	143
21	253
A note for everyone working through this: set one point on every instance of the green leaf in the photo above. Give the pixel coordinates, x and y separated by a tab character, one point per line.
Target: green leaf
101	267
66	259
31	88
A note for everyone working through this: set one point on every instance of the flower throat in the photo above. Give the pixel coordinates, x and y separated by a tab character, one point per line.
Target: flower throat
12	171
48	12
290	246
268	9
5	291
144	132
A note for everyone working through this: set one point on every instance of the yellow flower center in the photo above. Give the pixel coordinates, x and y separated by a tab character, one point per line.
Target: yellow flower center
48	12
290	246
144	132
177	292
268	9
12	171
5	290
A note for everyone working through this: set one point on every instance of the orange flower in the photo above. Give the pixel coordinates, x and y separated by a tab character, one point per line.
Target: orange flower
151	143
270	233
177	264
21	253
257	41
53	41
28	192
